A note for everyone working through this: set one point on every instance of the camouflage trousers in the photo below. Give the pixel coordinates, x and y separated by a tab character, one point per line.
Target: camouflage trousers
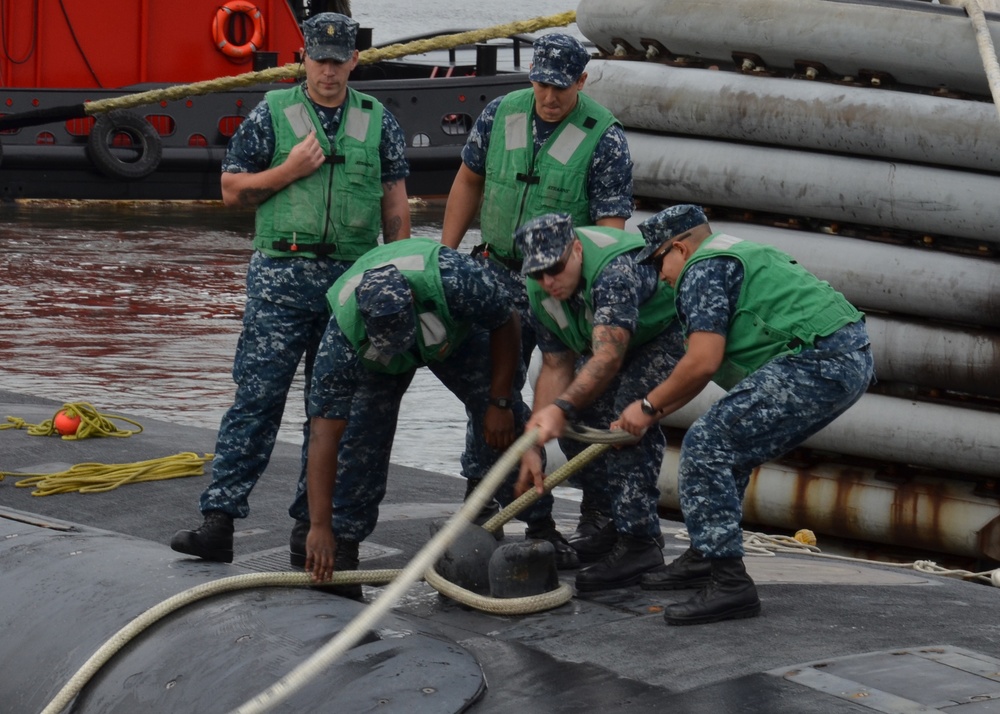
765	415
512	284
274	340
363	456
622	482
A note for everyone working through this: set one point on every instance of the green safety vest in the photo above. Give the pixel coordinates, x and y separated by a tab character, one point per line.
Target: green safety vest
437	333
575	327
337	210
782	307
520	185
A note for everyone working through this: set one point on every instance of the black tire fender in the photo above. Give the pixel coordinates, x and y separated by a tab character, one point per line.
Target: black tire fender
127	163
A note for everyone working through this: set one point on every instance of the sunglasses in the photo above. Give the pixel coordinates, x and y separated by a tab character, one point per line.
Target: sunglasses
656	260
553	270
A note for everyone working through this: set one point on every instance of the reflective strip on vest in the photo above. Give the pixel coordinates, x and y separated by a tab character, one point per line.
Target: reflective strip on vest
433	328
516	131
598	238
406	262
299	120
356	124
723	241
555	310
567	143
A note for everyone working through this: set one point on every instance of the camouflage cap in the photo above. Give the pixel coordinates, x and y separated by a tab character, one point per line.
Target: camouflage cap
669	222
385	302
558	60
330	36
543	240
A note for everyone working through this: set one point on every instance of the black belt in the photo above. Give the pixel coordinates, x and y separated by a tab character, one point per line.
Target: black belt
509	263
315	248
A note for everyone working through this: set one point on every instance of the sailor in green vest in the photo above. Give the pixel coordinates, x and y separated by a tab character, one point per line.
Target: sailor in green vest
325	168
607	333
400	307
793	354
544	149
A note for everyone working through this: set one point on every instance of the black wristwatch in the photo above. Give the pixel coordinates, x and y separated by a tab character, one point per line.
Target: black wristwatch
568	409
647	407
501	402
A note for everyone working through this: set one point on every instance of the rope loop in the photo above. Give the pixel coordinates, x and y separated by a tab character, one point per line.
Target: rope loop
92	423
760	544
99	478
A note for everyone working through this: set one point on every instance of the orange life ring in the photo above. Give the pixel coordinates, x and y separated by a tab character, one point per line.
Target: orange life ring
222	42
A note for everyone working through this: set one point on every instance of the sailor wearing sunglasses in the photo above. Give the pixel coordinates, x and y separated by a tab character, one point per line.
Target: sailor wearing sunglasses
607	332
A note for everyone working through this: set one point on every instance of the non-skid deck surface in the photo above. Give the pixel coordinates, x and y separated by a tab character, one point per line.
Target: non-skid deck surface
834	636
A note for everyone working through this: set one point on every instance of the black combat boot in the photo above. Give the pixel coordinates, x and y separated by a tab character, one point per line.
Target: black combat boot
213	540
596	546
344	558
297	544
690	570
729	595
592	519
623	566
487	512
590	524
566	558
591	549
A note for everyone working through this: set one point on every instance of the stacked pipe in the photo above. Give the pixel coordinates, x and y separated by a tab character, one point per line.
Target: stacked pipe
856	138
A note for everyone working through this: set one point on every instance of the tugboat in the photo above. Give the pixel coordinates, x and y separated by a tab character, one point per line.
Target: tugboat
56	62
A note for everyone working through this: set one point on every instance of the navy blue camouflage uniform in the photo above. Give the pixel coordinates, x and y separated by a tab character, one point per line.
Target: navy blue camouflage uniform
623	481
344	389
285	315
609	188
764	416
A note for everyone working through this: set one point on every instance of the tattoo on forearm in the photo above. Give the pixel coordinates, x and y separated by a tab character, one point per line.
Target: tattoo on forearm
616	340
609	347
255	196
391	227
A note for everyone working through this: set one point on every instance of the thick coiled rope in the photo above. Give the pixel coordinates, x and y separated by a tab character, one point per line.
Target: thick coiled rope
600	442
295	71
428	555
421	565
349	636
154	614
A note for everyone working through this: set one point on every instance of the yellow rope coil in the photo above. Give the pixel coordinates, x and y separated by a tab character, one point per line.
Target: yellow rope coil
295	71
98	478
92	423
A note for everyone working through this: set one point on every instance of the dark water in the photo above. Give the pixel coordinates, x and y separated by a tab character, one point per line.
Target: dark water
136	309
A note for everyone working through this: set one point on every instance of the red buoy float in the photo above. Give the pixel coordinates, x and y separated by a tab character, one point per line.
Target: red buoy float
66	424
